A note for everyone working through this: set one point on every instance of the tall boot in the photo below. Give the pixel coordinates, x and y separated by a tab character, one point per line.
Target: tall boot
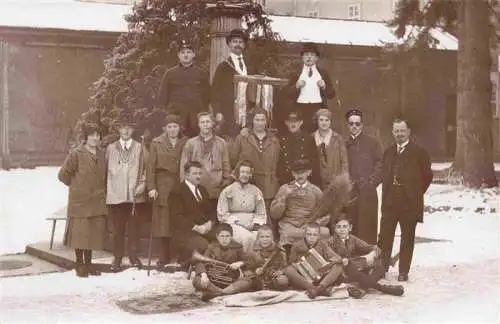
87	255
80	268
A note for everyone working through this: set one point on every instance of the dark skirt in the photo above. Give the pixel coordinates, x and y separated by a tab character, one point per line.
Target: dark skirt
85	233
161	215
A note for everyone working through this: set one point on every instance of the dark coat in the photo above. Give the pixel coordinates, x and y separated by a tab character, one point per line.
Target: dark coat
333	159
245	147
229	254
327	93
355	246
186	211
415	177
162	174
222	94
365	166
259	255
184	89
295	147
85	175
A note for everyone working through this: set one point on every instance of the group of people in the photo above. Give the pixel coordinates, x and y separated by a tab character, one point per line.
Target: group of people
237	195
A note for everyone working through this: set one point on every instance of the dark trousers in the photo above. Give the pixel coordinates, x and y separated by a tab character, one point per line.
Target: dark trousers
184	243
364	213
388	223
308	111
123	221
366	278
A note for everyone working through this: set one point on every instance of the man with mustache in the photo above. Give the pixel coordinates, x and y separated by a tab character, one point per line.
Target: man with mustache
406	175
223	94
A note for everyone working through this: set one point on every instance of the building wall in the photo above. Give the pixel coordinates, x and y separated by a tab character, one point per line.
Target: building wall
371	10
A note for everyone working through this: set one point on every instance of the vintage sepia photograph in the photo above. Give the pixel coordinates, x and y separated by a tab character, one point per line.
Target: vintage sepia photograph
249	161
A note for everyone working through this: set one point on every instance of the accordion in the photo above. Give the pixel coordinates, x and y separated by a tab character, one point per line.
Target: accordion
256	91
219	273
312	266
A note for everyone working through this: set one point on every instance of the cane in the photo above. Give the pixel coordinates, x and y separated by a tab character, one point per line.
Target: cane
150	245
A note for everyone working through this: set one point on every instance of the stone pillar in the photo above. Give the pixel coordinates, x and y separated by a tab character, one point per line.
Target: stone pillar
226	16
4	106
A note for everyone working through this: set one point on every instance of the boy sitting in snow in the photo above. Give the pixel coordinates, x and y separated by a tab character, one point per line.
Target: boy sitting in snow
268	261
225	250
312	240
360	260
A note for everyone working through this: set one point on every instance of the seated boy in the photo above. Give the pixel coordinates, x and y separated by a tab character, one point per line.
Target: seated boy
226	250
360	260
268	261
312	240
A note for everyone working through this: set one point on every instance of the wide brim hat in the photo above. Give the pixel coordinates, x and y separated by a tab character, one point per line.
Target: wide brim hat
237	33
126	118
310	48
300	165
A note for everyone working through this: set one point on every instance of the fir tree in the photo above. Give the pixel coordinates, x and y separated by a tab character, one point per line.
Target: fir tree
134	67
470	22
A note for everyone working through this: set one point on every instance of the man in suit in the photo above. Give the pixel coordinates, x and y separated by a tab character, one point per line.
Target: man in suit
406	175
185	89
365	164
222	94
192	215
310	87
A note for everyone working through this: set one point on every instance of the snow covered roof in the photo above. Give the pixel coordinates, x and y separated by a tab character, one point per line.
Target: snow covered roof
346	32
91	16
64	14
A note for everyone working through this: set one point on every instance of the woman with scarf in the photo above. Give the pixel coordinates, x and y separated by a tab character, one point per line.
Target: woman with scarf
332	152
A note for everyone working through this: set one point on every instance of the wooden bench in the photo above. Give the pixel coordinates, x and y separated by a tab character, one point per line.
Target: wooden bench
54	220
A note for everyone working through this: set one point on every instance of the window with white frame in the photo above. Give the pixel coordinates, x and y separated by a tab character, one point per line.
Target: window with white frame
354	11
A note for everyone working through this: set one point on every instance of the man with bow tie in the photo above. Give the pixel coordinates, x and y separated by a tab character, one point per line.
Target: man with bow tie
311	87
223	94
406	175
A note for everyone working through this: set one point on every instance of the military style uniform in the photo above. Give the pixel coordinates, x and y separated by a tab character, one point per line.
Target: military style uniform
297	146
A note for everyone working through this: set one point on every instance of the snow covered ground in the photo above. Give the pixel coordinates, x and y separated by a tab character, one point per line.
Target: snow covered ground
27	197
454	278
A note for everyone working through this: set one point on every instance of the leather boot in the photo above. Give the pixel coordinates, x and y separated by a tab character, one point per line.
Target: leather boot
395	290
87	256
80	268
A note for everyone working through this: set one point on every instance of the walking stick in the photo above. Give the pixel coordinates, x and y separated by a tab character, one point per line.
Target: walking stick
150	245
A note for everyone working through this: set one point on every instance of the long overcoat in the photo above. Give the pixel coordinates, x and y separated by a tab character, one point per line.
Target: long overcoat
85	175
163	174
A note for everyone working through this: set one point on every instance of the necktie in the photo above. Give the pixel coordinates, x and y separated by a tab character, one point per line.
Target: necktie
240	61
197	194
310	74
400	149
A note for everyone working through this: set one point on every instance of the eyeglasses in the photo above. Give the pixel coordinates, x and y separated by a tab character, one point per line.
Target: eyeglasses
354	124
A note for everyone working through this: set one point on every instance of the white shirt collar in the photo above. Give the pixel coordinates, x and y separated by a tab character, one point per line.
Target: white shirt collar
319	140
403	145
192	187
236	57
307	67
126	144
355	136
301	186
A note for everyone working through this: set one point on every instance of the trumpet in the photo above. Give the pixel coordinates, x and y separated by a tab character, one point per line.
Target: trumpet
218	272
